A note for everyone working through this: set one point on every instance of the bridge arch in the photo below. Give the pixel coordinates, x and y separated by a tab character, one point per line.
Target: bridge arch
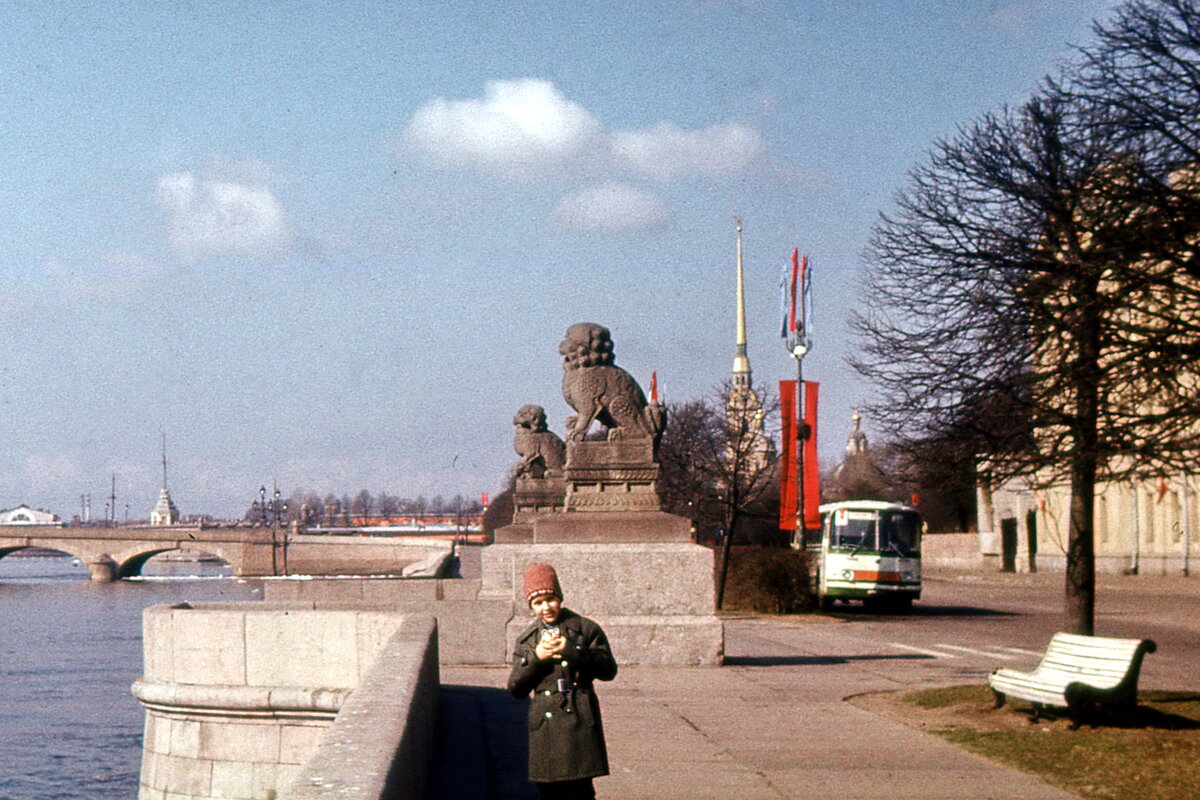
7	550
130	563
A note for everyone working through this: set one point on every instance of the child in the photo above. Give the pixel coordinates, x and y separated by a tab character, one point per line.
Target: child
557	658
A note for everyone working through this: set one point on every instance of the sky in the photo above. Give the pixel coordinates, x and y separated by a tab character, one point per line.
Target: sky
333	246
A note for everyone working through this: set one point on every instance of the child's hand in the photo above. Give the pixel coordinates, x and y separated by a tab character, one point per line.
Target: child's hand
551	648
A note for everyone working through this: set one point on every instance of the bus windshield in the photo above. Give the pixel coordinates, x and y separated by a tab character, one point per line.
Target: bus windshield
900	532
895	532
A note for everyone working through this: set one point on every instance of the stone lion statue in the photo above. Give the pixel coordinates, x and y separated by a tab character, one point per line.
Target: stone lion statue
542	452
600	391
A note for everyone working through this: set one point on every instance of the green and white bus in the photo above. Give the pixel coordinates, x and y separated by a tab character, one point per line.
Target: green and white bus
870	551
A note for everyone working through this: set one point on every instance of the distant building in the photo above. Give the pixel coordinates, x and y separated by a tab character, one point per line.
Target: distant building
858	477
744	411
164	512
24	515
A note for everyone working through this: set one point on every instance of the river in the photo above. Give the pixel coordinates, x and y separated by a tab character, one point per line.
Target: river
69	650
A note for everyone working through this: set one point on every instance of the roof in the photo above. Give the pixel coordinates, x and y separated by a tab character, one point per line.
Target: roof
865	505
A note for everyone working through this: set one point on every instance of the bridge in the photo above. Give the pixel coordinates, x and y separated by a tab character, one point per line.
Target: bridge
114	553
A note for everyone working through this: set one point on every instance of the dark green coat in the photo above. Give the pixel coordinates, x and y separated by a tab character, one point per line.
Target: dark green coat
566	739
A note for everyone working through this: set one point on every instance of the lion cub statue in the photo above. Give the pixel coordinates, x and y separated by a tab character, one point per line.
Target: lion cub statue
600	391
542	452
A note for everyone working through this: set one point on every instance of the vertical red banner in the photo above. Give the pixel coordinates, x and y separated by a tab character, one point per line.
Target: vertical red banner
812	471
787	473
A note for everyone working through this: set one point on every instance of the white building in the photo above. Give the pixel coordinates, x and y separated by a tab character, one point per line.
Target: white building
24	515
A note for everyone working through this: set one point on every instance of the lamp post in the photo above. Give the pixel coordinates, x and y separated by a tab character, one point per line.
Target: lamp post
799	350
270	513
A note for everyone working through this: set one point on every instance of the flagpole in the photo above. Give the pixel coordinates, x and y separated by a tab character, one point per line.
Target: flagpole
800	438
802	432
796	338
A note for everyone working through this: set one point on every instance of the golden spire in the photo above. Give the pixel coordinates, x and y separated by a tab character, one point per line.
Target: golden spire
741	362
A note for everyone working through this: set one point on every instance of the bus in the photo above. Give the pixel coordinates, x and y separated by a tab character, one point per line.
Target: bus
870	551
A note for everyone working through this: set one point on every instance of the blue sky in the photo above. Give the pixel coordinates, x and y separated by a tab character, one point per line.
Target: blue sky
335	245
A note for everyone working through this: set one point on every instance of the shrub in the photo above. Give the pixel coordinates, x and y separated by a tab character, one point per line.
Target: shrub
769	580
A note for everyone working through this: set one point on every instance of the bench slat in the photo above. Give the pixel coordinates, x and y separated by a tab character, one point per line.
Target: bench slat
1101	663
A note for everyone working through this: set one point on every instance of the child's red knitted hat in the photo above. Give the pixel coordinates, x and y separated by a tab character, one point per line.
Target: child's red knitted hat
541	579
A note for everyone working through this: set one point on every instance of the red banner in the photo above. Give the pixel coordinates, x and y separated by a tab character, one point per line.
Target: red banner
787	473
812	471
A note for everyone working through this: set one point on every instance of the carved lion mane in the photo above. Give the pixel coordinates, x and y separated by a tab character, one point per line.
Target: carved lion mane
542	452
600	391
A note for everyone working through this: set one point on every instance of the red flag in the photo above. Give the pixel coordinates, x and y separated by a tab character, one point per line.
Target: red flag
797	278
812	474
654	387
805	298
787	475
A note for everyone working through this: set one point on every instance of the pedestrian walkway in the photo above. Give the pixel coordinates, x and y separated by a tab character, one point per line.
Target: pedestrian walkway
772	724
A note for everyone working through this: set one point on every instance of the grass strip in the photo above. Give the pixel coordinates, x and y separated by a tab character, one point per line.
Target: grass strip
1152	755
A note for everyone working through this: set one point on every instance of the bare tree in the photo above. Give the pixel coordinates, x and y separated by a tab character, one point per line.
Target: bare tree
718	462
389	505
1035	264
362	506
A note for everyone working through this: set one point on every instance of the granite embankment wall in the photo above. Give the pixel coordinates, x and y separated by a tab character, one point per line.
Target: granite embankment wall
381	744
654	600
953	551
239	697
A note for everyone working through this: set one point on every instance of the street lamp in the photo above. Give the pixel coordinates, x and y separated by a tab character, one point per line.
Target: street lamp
269	513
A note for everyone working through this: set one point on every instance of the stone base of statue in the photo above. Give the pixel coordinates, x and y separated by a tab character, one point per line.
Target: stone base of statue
622	561
533	497
653	599
614	476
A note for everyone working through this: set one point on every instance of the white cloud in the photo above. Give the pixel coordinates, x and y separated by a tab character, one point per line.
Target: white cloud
517	126
527	126
219	217
666	151
610	207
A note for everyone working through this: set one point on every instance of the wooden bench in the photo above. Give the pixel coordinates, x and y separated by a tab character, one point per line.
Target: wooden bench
1084	674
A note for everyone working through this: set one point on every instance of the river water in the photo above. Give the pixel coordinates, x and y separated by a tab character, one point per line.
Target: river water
69	650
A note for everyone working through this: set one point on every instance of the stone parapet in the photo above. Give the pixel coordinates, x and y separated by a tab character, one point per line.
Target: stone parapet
237	694
471	629
658	596
610	579
381	744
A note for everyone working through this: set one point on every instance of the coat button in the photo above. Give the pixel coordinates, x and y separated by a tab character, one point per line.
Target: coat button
548	715
547	693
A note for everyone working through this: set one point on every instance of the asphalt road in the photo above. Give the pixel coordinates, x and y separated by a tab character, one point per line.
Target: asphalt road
967	624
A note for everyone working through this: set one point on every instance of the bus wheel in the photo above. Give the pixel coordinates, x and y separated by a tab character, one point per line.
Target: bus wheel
826	602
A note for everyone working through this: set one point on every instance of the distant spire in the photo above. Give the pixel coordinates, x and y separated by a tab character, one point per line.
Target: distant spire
741	362
856	443
164	512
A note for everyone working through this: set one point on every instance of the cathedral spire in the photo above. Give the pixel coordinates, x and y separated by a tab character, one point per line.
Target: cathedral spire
741	362
164	511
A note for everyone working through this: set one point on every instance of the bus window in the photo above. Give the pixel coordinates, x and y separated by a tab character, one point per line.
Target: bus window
900	532
853	531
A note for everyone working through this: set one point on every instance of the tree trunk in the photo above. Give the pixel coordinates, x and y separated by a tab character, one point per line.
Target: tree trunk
1080	601
1080	606
723	560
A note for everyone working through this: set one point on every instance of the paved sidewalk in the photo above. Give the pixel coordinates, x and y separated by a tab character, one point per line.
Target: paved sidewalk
773	724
